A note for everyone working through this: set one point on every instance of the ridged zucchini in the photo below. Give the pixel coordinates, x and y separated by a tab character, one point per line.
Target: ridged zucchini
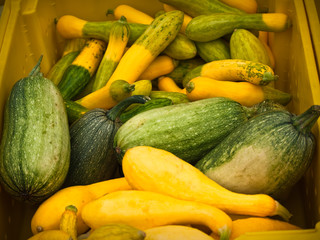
79	73
35	144
278	145
118	39
195	8
206	28
179	129
138	57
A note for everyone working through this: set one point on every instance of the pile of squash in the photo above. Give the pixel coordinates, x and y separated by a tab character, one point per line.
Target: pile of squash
158	127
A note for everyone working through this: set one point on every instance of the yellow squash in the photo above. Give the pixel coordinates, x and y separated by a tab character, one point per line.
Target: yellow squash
169	85
132	14
245	93
68	221
51	235
145	209
48	214
249	6
150	169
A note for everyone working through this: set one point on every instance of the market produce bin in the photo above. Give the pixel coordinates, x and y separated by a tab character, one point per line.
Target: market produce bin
27	30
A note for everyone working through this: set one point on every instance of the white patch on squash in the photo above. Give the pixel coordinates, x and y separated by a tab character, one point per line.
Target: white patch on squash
247	172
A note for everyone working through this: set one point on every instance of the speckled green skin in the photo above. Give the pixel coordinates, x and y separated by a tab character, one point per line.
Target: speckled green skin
35	145
268	154
188	130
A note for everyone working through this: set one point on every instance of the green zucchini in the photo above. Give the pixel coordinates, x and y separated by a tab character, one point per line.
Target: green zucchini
213	50
175	97
78	74
267	154
206	28
56	72
181	48
35	143
188	130
245	45
204	7
139	108
91	137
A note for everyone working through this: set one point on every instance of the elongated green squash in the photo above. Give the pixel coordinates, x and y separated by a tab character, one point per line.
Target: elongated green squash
188	130
213	50
74	110
204	7
175	97
245	45
118	39
72	27
206	28
35	145
277	145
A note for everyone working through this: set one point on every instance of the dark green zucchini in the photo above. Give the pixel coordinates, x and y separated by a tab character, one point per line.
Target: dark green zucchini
267	154
35	143
188	130
91	136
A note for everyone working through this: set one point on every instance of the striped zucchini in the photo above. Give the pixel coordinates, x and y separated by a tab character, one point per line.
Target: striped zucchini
206	28
35	143
78	74
213	50
118	39
138	57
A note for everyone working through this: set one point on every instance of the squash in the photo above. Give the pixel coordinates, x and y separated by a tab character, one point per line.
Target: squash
206	28
68	221
73	45
175	232
169	85
51	235
213	50
204	7
245	93
120	89
175	97
186	17
78	74
139	108
160	66
74	110
189	130
118	39
91	136
151	169
48	215
57	70
248	6
132	14
35	144
138	57
233	70
117	231
277	144
69	27
257	224
145	209
245	45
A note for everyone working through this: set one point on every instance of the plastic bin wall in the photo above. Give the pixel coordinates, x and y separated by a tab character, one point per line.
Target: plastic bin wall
27	30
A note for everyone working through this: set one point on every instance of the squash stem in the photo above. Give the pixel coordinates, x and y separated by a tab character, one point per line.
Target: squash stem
36	70
115	112
305	121
282	212
224	233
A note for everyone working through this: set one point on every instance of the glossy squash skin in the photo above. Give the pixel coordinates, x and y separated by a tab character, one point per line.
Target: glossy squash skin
48	214
146	209
179	129
35	144
151	169
138	57
277	144
213	50
68	221
91	136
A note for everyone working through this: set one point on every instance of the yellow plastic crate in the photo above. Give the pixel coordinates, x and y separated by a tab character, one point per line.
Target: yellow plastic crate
27	30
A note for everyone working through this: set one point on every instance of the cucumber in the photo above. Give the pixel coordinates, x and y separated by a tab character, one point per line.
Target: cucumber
188	130
267	154
213	50
35	143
